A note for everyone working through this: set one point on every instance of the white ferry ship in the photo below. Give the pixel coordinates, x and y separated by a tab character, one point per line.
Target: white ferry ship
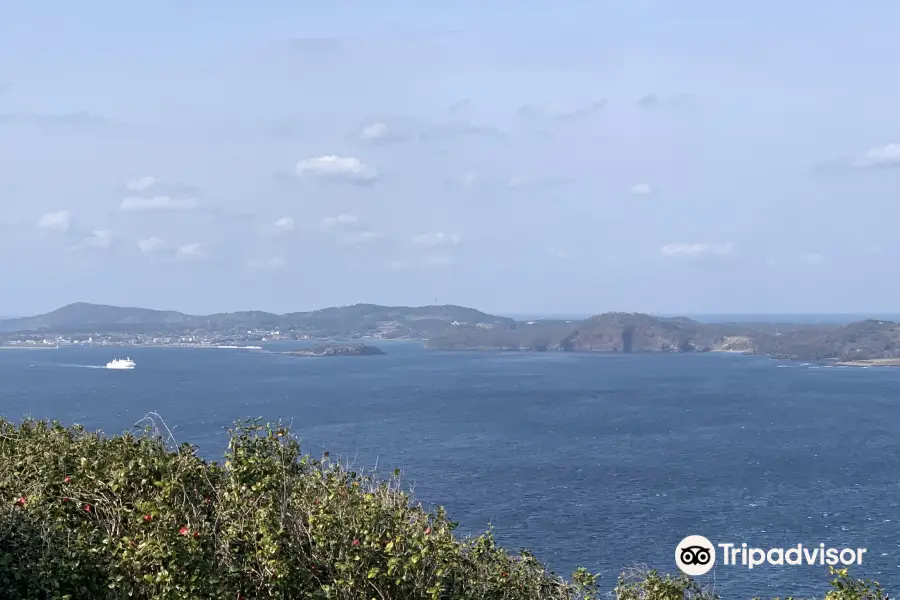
121	363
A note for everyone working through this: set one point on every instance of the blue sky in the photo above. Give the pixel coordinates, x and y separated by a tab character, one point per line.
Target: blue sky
528	157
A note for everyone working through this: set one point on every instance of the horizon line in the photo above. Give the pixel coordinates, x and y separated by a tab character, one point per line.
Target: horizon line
517	315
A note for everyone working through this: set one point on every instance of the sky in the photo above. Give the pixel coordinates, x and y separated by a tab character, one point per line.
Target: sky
530	157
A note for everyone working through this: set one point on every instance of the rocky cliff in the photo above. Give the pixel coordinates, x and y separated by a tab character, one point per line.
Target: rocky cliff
635	332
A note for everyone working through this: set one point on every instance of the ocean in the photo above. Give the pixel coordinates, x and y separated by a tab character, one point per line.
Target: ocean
601	461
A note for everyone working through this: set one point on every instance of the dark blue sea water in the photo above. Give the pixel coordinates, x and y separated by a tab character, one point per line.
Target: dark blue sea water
601	461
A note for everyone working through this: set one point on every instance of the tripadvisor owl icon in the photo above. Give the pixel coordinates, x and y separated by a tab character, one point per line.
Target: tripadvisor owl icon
695	555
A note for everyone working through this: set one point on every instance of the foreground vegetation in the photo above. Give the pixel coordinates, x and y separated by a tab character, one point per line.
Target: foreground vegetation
92	517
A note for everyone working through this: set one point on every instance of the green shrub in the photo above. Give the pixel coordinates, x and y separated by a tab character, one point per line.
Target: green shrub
646	584
88	516
85	516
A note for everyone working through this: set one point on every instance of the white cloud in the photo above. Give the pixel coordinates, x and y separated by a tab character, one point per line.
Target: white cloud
141	183
375	131
886	156
336	168
671	249
269	264
475	180
654	100
99	238
284	225
195	250
58	221
158	203
154	246
641	189
151	245
431	240
332	222
406	129
703	249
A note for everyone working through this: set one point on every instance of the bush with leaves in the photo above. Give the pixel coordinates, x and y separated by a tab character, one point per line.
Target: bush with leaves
86	516
647	584
127	516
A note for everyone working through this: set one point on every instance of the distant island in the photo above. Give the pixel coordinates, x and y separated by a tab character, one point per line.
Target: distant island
338	350
456	328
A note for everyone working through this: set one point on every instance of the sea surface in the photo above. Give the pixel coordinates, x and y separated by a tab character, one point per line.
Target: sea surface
602	461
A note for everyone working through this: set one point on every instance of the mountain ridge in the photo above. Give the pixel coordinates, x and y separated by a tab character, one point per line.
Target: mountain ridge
84	316
452	327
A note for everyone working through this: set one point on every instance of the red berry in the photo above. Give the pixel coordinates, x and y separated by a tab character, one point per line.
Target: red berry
65	498
67	479
427	530
20	501
87	507
356	542
503	574
183	531
148	518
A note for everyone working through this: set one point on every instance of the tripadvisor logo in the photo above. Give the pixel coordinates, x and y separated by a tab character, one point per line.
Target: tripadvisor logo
696	555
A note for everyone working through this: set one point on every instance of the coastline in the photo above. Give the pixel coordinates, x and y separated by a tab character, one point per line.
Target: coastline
29	347
870	362
861	363
222	347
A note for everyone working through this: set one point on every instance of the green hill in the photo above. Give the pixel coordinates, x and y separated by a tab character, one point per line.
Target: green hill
358	319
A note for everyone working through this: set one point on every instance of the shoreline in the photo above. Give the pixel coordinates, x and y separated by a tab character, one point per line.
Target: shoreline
29	347
232	346
869	362
222	347
861	363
